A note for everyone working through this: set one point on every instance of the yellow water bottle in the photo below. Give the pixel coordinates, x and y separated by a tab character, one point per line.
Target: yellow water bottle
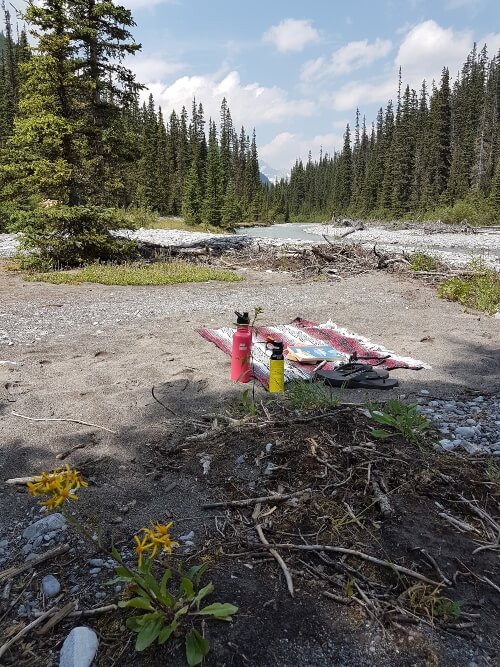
276	367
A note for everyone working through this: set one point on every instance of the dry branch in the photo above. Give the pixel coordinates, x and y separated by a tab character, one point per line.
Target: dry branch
53	553
61	419
25	631
359	554
273	552
275	498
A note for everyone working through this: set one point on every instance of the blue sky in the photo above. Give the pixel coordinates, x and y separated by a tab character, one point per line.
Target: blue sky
297	70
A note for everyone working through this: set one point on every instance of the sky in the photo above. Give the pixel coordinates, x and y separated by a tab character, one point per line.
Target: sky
296	71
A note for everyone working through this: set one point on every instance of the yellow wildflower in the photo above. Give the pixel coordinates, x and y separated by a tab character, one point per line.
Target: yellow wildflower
141	546
58	485
160	537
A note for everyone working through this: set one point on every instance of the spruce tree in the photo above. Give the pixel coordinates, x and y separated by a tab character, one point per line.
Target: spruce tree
214	183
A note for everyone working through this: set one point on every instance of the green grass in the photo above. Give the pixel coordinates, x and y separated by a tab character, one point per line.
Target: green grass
480	291
157	273
307	395
420	261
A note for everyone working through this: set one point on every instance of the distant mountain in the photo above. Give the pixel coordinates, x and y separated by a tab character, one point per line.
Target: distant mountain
270	173
264	179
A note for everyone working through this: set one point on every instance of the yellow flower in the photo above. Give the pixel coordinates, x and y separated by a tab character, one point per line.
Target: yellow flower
141	547
160	537
58	485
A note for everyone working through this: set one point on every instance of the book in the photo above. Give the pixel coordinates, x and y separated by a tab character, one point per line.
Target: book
313	354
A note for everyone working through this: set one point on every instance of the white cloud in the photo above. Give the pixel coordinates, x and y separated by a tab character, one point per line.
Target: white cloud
291	35
250	104
427	48
352	56
153	68
286	147
423	52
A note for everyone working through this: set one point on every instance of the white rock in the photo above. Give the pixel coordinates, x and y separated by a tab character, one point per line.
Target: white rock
79	648
50	523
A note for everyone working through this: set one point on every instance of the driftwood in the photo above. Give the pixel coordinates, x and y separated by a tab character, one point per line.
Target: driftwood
25	631
14	571
57	617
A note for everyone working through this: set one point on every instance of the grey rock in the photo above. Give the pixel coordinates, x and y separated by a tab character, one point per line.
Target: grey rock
50	586
186	538
4	544
100	595
53	522
424	392
27	549
241	459
464	431
95	571
74	589
96	562
470	447
447	445
79	648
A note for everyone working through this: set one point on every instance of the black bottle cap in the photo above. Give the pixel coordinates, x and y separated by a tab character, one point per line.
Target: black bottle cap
243	318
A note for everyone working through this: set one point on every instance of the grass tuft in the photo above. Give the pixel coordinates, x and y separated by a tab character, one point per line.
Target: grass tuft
480	291
157	273
420	261
307	395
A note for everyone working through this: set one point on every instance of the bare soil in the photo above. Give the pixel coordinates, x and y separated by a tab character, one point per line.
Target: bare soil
94	353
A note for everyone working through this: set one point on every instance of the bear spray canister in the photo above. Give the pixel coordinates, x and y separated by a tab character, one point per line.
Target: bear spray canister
242	349
276	367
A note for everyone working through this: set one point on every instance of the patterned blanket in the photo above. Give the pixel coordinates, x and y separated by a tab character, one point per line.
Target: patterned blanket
310	333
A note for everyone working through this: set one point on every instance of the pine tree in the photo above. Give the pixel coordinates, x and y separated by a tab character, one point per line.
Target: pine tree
214	183
231	211
192	199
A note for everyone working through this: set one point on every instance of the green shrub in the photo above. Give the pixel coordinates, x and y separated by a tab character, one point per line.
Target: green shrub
480	291
63	236
474	210
420	261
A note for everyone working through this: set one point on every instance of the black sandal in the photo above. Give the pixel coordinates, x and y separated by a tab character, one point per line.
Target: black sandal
358	376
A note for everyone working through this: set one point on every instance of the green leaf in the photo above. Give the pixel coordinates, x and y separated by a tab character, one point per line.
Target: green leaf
148	634
196	572
166	632
380	433
167	575
220	610
136	603
123	572
197	648
187	588
135	623
203	592
383	419
115	554
181	612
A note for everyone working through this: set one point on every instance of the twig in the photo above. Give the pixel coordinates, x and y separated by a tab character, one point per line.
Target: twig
62	455
337	598
359	554
165	407
25	631
276	498
461	525
273	552
87	612
434	564
61	419
14	481
57	617
53	553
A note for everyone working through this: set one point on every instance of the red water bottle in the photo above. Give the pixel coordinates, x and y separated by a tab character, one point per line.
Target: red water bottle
242	349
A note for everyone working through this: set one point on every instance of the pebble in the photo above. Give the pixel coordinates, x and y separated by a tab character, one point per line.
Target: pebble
79	648
50	586
95	571
186	538
452	418
96	562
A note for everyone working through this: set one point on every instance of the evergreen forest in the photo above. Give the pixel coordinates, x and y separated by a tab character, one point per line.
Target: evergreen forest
432	154
77	147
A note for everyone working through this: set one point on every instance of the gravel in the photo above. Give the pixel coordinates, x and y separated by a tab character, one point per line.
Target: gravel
470	425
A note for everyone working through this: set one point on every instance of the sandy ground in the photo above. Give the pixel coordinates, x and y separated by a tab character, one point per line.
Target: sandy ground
93	353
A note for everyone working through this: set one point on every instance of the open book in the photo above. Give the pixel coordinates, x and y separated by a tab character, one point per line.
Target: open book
313	354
